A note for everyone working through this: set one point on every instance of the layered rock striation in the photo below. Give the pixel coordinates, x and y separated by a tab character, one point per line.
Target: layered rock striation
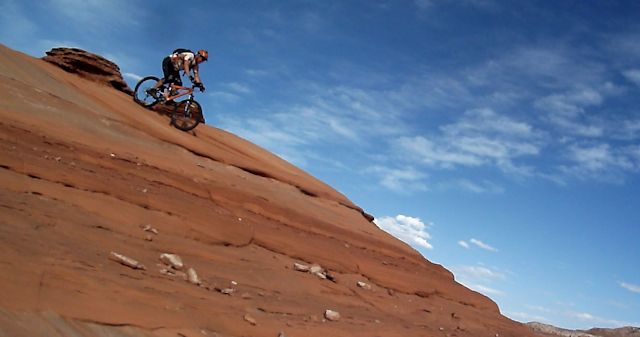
98	197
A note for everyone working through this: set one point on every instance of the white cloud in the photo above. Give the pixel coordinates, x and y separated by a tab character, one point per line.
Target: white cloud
463	244
404	180
132	76
599	321
482	245
525	317
486	290
632	75
602	161
481	137
477	273
423	4
479	187
631	287
239	88
408	229
97	14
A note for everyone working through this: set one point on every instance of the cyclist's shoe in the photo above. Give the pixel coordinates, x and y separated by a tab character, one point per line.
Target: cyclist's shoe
153	92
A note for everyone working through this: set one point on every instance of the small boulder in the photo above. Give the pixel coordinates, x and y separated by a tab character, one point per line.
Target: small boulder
192	277
332	315
364	285
126	261
172	260
250	319
300	267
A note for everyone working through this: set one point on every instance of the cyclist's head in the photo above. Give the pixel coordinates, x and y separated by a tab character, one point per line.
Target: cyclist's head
204	55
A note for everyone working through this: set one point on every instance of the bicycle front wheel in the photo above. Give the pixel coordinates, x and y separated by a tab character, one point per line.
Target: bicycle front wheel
144	94
186	115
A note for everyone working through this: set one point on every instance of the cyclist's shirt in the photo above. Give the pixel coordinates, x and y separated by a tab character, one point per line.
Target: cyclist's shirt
178	60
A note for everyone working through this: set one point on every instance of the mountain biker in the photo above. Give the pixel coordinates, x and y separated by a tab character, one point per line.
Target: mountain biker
181	59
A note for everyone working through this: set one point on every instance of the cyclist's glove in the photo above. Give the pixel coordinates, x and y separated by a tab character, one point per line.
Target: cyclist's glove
200	86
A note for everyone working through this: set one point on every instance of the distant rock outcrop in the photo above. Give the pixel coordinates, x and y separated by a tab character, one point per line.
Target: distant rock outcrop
550	330
91	66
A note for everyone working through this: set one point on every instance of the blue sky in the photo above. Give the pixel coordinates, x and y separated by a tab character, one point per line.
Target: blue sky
499	138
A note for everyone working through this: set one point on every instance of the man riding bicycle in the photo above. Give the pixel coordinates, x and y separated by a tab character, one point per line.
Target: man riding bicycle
180	59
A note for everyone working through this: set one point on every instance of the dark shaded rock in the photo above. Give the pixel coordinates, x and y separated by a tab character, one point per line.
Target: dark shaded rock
90	66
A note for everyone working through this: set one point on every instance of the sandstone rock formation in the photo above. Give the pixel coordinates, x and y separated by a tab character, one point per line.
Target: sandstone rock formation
83	168
550	330
90	66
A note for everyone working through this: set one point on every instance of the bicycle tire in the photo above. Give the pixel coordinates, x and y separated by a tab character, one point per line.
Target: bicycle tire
140	94
186	115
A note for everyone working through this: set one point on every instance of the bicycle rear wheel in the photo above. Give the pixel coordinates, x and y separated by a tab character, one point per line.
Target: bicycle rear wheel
186	115
143	94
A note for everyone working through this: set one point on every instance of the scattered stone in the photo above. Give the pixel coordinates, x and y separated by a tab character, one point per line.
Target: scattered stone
314	269
149	237
127	261
172	260
227	291
148	228
281	334
113	155
301	267
332	315
441	329
250	319
364	285
144	190
192	277
246	296
390	292
321	275
234	283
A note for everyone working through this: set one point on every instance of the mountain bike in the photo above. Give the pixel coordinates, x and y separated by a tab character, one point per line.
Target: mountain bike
185	114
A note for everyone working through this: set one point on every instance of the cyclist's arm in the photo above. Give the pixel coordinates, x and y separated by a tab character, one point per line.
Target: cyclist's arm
196	74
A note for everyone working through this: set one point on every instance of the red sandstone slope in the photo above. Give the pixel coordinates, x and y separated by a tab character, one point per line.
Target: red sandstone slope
83	170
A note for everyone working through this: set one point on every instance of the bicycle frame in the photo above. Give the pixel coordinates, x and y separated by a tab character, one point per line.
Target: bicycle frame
181	91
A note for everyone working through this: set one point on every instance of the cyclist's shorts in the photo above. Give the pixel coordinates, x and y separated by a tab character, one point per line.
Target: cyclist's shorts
171	75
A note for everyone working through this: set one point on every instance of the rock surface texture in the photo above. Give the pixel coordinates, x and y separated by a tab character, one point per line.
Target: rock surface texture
85	172
550	330
90	66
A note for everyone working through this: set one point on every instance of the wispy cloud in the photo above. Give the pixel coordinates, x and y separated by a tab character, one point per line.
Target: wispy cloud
631	287
478	273
485	290
402	180
482	245
464	244
132	76
526	317
408	229
632	75
96	15
481	137
594	320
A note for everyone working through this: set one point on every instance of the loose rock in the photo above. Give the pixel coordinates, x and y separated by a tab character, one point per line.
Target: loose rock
192	277
227	291
127	261
364	285
314	269
172	260
148	228
301	267
250	319
331	315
